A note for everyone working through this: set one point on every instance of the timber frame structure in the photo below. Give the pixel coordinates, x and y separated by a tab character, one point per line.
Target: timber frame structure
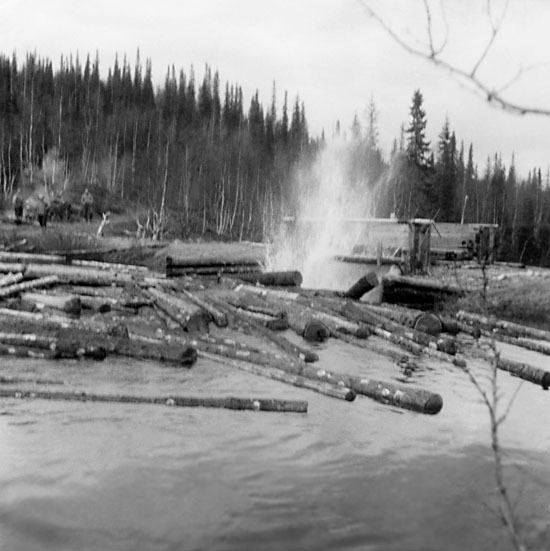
411	244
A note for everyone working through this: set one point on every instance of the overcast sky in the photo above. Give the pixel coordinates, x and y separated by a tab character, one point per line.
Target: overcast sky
329	52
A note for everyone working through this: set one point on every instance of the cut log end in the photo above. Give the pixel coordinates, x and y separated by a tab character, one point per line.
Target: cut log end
188	356
428	323
316	331
363	285
433	404
277	324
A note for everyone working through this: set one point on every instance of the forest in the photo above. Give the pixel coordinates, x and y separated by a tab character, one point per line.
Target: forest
199	161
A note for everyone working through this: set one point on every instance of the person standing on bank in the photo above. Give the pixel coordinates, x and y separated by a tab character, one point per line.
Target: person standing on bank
18	207
42	212
87	202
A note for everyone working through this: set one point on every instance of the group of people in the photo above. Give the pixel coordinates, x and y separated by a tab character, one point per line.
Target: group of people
41	208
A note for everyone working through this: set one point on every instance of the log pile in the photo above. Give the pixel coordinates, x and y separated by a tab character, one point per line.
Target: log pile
261	323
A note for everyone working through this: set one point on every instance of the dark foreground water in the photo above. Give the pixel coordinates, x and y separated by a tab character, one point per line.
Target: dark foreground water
345	476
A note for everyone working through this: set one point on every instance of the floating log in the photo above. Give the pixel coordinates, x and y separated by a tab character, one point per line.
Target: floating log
98	304
322	309
27	352
113	266
414	399
253	404
64	348
328	389
526	372
270	294
66	303
411	340
9	380
415	319
11	279
314	331
406	397
542	347
70	274
421	284
12	290
370	260
363	285
211	271
281	279
44	320
31	258
203	262
283	343
505	327
188	314
220	319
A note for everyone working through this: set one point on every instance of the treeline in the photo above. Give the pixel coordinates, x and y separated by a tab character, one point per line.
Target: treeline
441	181
197	158
190	151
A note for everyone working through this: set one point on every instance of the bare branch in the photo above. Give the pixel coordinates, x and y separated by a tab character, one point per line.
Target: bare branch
433	54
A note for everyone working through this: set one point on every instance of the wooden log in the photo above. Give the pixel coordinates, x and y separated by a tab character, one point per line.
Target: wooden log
363	285
44	320
98	304
64	348
328	389
370	260
11	279
283	343
34	258
211	271
28	352
320	309
252	404
220	319
70	274
17	288
203	262
428	323
189	315
425	322
421	284
444	344
526	372
403	396
253	303
505	327
542	347
109	266
9	380
291	278
66	303
270	294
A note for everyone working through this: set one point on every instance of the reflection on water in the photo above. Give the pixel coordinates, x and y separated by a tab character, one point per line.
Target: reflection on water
345	476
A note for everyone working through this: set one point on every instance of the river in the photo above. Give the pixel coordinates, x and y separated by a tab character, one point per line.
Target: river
344	476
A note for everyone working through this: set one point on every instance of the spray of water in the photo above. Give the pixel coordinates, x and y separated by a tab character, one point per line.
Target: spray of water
331	200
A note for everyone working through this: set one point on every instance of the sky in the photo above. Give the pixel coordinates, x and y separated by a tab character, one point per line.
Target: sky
330	53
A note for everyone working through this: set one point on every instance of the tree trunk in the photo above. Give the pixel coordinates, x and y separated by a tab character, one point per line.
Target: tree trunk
66	303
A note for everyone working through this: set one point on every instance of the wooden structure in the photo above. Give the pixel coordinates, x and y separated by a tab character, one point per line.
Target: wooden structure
411	244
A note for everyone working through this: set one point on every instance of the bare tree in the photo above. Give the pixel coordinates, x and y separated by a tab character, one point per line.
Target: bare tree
435	51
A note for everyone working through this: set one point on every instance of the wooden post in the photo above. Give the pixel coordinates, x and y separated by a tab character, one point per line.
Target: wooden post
419	246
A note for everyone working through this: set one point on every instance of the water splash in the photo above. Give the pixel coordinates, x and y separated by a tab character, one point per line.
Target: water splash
332	196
